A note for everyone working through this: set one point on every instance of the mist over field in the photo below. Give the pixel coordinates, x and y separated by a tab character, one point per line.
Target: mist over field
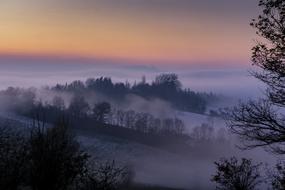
142	95
188	169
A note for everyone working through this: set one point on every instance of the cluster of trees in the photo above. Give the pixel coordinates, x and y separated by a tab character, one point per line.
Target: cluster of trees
147	123
17	99
103	113
50	158
165	86
206	133
24	102
142	122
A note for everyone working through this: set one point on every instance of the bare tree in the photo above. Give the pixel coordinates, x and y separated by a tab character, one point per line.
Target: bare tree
203	133
106	176
179	126
130	119
101	110
234	175
141	122
120	115
262	123
167	126
277	176
152	125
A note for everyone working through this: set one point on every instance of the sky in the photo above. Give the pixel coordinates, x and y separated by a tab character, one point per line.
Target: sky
159	31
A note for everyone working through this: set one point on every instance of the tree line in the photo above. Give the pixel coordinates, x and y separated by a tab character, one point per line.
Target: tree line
166	87
24	102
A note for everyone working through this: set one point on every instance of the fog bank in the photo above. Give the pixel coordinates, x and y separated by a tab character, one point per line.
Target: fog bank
234	81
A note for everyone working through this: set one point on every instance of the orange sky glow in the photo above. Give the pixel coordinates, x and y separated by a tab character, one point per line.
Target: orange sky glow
130	31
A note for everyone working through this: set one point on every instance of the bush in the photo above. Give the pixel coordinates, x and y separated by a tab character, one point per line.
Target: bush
278	177
234	175
106	176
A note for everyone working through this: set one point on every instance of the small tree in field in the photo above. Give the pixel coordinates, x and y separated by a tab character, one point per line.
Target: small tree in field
234	175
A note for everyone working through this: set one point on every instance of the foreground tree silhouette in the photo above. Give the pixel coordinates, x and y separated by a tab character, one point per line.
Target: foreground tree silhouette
234	175
262	123
106	176
55	158
13	159
278	176
45	157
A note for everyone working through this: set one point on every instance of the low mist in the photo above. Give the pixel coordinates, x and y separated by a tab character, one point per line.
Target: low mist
186	169
231	81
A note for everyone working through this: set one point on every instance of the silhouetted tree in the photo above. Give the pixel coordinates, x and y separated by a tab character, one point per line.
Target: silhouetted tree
13	158
101	110
278	177
157	125
141	122
120	116
168	81
51	159
167	126
78	106
76	86
55	158
204	133
152	128
261	123
106	176
234	175
130	119
179	126
103	85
